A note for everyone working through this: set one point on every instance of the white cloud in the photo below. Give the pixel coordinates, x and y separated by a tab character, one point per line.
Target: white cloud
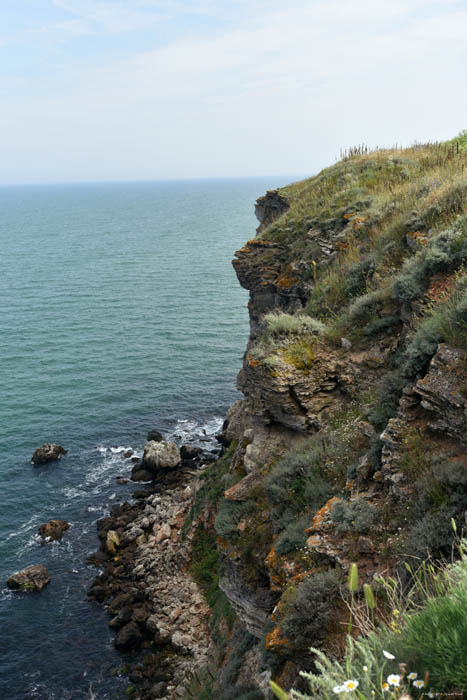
278	91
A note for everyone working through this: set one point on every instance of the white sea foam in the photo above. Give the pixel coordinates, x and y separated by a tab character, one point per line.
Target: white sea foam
196	433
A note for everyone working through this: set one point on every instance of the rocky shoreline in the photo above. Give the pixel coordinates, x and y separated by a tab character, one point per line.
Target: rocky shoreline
156	607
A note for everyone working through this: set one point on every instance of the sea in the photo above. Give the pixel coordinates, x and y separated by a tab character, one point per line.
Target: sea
120	313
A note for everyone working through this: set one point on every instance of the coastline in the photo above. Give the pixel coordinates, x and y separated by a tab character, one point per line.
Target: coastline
158	611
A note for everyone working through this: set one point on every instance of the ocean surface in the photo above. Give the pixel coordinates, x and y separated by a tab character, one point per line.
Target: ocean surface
120	312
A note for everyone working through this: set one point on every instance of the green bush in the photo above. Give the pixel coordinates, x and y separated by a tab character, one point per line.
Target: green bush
241	642
229	515
444	253
278	324
441	495
357	516
293	537
297	484
307	612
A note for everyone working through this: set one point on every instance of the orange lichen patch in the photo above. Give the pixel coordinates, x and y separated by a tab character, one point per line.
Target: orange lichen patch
304	574
275	640
418	237
441	288
321	514
252	362
255	243
276	574
285	282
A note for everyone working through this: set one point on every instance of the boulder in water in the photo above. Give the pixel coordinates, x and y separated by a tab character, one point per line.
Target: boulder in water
33	578
155	435
159	455
54	529
48	452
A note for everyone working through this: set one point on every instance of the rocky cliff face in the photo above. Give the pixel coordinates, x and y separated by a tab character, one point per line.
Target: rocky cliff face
349	443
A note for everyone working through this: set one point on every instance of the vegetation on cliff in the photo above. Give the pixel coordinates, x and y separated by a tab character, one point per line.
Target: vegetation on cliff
349	444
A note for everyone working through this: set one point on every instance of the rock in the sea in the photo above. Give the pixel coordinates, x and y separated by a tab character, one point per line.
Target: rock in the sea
33	578
54	529
48	452
155	435
128	637
160	455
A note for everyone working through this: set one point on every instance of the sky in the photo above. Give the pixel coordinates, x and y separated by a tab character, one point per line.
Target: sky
95	90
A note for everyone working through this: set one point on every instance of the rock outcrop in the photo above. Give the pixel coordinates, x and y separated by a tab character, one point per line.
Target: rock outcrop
33	578
48	452
160	455
53	530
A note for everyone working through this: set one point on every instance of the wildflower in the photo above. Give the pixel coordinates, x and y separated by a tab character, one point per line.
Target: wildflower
394	679
365	668
412	676
338	689
418	684
350	685
388	655
385	687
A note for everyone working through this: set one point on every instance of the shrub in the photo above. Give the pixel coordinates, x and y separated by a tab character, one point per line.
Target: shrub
444	252
297	484
277	324
441	496
229	515
356	516
293	537
241	642
308	608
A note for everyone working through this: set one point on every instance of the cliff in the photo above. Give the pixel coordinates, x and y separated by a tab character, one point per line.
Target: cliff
349	443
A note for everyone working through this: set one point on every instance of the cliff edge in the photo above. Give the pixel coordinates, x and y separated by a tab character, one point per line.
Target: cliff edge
349	443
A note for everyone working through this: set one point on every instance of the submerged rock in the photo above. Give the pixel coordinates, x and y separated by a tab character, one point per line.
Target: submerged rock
48	452
160	455
33	578
54	529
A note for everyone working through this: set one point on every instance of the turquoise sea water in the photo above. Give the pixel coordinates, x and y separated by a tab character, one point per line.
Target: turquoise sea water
120	313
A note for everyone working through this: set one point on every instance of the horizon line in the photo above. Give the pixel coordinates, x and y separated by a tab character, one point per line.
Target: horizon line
202	178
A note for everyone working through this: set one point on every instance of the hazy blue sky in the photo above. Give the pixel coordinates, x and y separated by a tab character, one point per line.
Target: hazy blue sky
149	89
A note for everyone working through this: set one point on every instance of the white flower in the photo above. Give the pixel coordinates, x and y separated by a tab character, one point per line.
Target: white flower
338	689
418	684
350	685
365	668
394	679
385	687
412	676
388	655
